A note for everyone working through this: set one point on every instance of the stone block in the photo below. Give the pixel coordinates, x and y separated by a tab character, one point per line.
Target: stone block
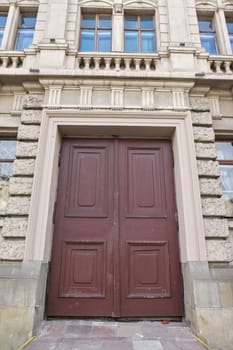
210	186
199	103
219	250
213	207
202	118
203	134
210	327
29	116
205	150
206	293
32	101
26	149
208	168
23	167
20	185
215	227
16	326
11	249
28	132
15	227
18	205
226	293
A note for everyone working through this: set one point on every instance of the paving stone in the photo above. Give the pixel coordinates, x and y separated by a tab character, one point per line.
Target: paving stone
107	335
147	345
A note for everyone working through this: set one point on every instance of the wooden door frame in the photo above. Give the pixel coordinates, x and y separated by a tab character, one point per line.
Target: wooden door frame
176	126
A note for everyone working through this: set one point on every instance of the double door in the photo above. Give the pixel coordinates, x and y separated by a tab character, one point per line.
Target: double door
115	245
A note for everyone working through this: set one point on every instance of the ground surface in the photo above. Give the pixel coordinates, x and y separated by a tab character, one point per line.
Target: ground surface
111	335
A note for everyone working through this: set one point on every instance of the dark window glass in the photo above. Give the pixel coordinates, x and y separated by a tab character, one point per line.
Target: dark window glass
207	35
25	31
230	32
3	18
7	155
96	33
139	34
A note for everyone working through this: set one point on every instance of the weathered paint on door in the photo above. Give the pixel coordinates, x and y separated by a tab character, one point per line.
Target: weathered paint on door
115	246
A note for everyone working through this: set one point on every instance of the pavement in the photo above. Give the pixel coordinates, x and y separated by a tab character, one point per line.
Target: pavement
113	335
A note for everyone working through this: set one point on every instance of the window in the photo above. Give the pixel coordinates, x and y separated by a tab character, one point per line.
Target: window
25	31
96	33
139	34
225	158
7	156
3	18
230	31
207	35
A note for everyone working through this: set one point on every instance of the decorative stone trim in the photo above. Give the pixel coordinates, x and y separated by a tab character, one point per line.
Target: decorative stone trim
213	207
205	151
210	187
202	118
219	250
26	149
208	168
12	249
203	134
19	186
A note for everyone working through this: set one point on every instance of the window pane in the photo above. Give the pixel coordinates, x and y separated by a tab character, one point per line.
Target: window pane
88	21
230	26
131	22
231	42
131	41
28	21
148	42
1	36
5	170
208	43
24	38
3	18
226	177
87	40
224	150
205	25
7	149
147	22
104	40
105	22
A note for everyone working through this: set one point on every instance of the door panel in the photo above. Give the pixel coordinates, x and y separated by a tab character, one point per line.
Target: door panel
149	259
81	276
115	247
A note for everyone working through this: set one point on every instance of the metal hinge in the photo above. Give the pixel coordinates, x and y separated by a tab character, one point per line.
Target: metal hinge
177	220
54	211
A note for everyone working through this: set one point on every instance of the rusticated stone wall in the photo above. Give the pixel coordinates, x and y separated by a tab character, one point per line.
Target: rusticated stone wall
12	241
216	225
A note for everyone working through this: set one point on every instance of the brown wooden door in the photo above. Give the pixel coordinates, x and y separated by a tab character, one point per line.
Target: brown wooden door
115	246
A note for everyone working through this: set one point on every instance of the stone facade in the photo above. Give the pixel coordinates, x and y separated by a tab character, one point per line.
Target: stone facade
87	94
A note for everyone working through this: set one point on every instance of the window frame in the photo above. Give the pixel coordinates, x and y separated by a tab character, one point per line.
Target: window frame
213	32
139	30
230	34
96	29
2	28
8	160
32	14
